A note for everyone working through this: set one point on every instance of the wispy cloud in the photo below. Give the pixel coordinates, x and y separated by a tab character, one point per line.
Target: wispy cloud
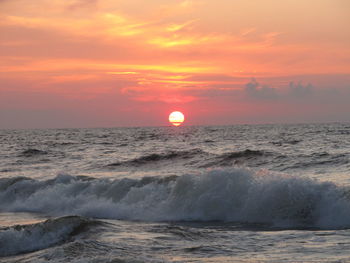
77	4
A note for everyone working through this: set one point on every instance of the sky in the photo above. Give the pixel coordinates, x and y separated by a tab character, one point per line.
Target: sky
110	63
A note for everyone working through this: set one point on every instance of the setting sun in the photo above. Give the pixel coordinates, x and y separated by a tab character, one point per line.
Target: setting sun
176	118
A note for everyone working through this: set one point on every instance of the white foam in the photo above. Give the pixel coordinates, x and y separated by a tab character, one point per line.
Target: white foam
225	195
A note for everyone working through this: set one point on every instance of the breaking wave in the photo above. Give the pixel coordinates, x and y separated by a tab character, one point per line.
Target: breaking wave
228	195
27	238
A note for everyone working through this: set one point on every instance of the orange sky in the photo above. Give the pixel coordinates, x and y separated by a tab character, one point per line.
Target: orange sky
89	63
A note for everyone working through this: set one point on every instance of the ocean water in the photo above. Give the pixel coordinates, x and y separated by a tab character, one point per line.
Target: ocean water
246	193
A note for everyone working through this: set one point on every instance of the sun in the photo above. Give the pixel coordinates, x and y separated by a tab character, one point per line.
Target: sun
176	118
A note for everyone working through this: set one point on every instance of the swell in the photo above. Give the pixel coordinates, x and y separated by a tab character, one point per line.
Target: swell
34	156
318	160
239	157
199	156
32	152
157	157
229	195
27	238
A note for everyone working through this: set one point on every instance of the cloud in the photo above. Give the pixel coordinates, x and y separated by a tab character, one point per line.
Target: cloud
255	90
82	4
214	78
299	90
147	94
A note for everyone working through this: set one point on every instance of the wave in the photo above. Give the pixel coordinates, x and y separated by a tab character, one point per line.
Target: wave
32	152
238	157
227	195
318	160
286	141
155	157
246	154
27	238
200	156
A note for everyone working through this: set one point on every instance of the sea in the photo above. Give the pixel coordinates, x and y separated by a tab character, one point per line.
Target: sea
241	193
